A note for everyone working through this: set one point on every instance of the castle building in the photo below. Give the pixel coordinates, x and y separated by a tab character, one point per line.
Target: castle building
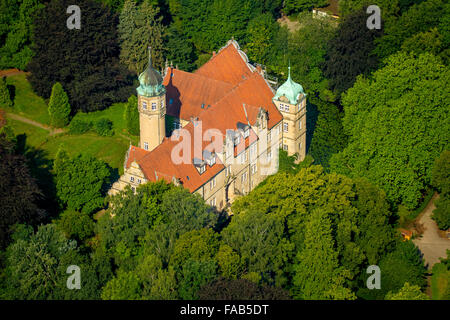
225	125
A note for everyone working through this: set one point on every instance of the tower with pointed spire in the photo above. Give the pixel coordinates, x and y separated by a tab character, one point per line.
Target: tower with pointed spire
290	99
152	109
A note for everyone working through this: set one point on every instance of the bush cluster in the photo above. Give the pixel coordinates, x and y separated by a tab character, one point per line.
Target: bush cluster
102	126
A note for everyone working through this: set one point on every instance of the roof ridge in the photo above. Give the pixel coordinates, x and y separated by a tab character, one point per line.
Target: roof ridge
203	76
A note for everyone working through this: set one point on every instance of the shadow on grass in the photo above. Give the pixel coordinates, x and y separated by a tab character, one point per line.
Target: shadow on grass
41	166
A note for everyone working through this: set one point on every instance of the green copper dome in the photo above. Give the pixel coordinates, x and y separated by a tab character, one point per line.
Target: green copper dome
150	81
290	90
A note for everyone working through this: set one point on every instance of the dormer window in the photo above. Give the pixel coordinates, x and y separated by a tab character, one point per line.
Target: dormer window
209	157
237	139
245	128
246	132
200	165
211	161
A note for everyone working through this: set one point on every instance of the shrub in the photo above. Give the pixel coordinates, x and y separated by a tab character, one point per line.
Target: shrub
5	96
103	127
59	107
78	126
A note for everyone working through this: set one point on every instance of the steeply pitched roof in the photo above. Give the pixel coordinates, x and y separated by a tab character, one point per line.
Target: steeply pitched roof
224	83
191	91
228	65
158	163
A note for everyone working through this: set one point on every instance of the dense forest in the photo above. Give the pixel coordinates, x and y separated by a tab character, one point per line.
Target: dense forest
377	138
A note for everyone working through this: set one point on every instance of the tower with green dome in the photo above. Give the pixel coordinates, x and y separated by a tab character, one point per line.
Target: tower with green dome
290	99
152	107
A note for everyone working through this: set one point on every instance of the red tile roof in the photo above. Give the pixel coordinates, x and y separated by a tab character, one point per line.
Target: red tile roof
228	65
158	164
191	91
225	83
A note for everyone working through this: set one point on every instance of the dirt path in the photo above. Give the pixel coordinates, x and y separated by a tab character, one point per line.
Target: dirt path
11	72
291	25
431	244
35	123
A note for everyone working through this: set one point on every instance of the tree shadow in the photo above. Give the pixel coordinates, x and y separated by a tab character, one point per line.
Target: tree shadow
312	113
41	166
12	91
173	104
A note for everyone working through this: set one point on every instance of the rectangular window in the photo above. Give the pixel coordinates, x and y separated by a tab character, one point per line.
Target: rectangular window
300	124
254	168
285	126
300	146
132	179
244	177
153	105
144	105
212	183
202	169
227	171
269	154
212	202
139	181
241	158
146	145
253	150
162	104
285	147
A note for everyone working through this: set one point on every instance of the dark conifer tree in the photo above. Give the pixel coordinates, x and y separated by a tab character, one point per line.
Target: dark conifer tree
84	61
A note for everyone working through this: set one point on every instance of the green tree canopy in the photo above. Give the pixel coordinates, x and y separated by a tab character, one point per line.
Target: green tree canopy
349	52
395	121
293	6
131	115
408	292
19	192
140	27
5	96
80	181
85	61
59	107
16	25
318	265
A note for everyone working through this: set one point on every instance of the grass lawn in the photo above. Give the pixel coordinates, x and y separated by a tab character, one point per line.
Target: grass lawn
109	149
26	102
35	136
115	113
440	282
